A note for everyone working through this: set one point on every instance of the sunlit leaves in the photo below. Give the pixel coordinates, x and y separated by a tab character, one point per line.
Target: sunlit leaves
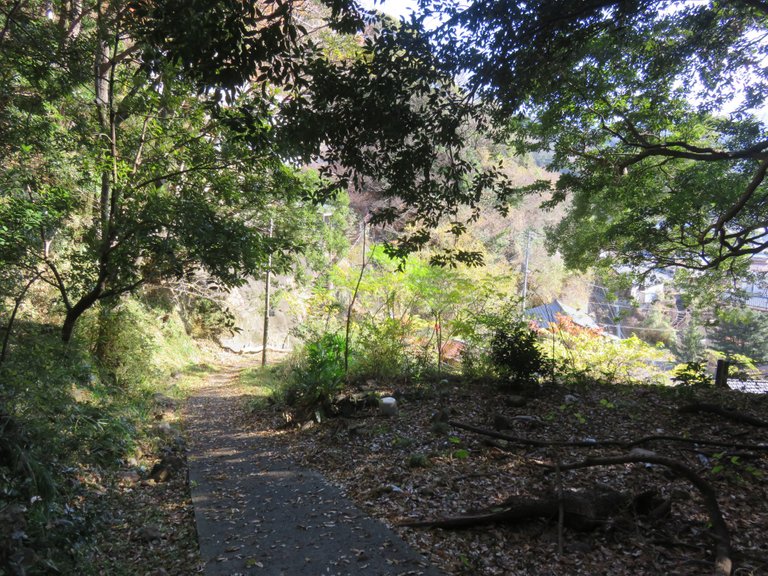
645	109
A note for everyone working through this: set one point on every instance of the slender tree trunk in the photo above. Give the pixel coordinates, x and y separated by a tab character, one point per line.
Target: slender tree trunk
102	83
74	313
102	335
439	336
16	305
352	304
265	336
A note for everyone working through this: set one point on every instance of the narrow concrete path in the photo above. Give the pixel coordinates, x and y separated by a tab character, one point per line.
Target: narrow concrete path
259	513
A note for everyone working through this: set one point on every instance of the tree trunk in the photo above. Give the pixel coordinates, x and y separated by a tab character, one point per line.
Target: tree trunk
352	304
265	335
74	313
721	376
102	83
439	337
17	304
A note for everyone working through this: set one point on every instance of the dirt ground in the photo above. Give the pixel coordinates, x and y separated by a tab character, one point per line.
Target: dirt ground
415	466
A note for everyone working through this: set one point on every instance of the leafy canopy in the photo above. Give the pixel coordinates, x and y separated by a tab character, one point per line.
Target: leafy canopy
647	108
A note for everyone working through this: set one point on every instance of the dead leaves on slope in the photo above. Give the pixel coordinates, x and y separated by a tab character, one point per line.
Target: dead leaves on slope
406	469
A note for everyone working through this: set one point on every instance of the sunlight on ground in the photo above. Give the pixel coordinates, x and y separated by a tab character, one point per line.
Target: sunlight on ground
260	384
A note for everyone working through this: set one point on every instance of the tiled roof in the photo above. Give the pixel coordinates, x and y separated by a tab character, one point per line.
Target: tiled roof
751	386
547	314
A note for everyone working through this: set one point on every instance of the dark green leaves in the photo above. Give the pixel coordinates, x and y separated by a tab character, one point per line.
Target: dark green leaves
646	107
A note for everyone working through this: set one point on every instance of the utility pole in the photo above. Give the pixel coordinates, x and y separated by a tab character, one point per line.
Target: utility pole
528	235
265	336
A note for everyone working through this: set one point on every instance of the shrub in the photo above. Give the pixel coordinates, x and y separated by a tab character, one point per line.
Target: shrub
60	422
382	351
515	352
691	374
319	375
209	318
583	355
121	342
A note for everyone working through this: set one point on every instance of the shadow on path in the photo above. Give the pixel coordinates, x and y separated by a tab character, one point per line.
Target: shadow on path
259	513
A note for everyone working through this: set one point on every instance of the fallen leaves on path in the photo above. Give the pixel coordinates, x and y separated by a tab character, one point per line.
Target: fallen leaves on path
416	466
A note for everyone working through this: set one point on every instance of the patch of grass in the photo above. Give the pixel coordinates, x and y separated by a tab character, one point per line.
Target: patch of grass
418	460
263	385
202	368
68	423
402	442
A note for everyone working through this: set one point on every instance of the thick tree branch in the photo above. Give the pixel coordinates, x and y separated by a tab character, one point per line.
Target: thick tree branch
9	19
741	202
724	412
723	564
606	443
690	152
181	172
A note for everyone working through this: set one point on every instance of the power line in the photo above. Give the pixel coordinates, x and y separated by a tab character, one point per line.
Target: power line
631	328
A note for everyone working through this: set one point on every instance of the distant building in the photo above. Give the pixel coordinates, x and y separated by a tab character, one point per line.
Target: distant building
749	386
757	291
548	313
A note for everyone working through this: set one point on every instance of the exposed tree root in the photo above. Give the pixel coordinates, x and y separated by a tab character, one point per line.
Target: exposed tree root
728	413
582	510
606	443
516	510
723	564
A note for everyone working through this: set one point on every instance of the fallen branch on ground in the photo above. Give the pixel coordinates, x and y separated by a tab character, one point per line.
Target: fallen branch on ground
723	564
605	443
581	510
728	413
586	510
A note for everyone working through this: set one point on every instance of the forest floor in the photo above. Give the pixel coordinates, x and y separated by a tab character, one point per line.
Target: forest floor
417	466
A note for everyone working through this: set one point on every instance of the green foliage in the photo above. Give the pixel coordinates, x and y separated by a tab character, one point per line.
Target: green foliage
319	375
208	318
121	344
477	330
732	467
642	109
382	350
740	331
182	183
691	374
572	410
656	327
515	352
66	417
404	316
689	346
741	367
460	454
583	355
418	460
263	385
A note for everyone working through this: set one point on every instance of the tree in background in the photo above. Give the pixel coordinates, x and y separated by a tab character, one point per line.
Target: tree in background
656	327
689	346
139	138
740	331
645	109
117	169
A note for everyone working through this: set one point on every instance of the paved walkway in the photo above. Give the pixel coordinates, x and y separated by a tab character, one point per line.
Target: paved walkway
259	513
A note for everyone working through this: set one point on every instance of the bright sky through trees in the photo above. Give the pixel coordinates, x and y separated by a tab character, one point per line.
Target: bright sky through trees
394	8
